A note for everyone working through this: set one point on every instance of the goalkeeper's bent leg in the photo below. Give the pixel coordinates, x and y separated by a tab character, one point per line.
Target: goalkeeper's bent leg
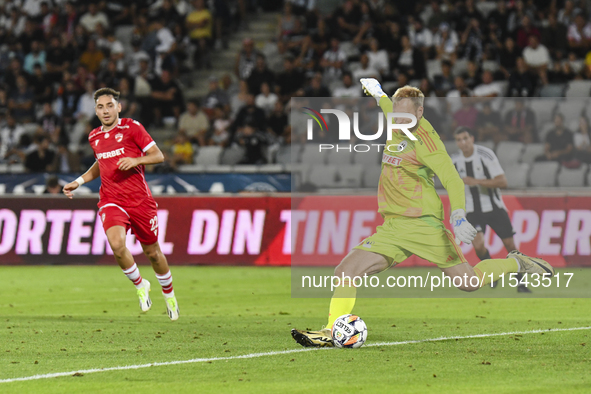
342	302
496	267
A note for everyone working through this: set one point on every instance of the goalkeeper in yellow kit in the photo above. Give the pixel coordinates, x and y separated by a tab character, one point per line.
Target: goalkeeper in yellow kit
413	215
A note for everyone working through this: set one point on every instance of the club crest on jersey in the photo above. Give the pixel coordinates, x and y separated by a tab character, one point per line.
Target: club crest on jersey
107	135
402	145
118	137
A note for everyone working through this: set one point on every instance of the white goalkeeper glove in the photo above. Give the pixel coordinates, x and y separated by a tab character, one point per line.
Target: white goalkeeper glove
463	230
372	87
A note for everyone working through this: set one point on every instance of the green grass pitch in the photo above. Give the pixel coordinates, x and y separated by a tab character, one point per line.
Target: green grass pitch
69	318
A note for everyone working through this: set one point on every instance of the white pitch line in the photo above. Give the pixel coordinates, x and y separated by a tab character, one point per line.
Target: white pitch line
276	353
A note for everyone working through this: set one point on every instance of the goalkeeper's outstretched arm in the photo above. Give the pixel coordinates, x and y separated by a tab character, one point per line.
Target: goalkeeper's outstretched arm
90	175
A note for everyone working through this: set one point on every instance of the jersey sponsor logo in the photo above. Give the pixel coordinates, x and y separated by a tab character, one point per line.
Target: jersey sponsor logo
118	137
395	161
113	153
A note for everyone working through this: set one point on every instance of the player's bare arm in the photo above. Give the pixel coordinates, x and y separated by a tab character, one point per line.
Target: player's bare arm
153	156
499	181
90	175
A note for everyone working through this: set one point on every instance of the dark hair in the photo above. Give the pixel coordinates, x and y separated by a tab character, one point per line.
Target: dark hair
52	182
106	92
463	129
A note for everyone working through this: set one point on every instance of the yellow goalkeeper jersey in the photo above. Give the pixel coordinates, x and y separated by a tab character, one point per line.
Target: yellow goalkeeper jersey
406	185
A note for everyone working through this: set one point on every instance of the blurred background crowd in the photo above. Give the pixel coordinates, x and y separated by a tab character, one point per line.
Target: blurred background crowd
54	54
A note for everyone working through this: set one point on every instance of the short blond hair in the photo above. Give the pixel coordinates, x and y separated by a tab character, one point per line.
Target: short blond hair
409	92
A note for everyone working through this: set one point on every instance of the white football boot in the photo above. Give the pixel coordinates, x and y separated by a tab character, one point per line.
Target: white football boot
172	306
143	294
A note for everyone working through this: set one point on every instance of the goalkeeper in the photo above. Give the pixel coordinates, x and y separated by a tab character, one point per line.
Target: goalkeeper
413	215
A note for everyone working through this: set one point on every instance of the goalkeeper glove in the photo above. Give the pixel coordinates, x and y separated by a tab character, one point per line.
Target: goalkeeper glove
372	87
463	230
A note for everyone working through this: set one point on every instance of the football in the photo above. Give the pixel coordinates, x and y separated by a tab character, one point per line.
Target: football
349	331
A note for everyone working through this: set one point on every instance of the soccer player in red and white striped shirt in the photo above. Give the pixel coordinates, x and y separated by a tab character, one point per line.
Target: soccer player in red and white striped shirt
122	148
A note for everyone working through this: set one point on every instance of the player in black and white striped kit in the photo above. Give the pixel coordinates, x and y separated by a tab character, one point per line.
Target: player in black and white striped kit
481	172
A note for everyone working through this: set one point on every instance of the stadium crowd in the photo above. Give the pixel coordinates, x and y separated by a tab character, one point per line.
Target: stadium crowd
54	54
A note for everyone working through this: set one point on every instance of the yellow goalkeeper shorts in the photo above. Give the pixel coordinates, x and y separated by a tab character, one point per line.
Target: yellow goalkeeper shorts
401	237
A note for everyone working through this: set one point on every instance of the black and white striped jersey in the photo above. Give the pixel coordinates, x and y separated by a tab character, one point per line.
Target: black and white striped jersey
483	164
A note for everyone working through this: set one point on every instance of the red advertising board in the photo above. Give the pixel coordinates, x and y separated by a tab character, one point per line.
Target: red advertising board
208	230
318	230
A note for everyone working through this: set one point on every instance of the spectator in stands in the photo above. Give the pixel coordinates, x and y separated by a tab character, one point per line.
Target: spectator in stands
41	159
567	14
467	114
10	137
471	41
286	22
129	106
554	37
199	23
50	123
333	60
378	59
246	59
560	73
559	144
277	124
93	17
525	31
133	58
472	76
52	186
444	82
21	102
109	76
36	56
86	104
221	126
521	83
465	14
260	74
216	96
68	100
488	88
420	37
488	124
579	35
30	34
92	57
253	141
42	86
349	89
446	41
520	124
365	71
508	57
411	61
194	123
316	88
266	99
537	58
3	104
239	99
296	40
167	98
251	115
346	20
500	15
182	150
289	81
65	160
366	27
582	142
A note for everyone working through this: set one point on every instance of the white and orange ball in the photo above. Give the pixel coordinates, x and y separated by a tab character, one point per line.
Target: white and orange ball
349	331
